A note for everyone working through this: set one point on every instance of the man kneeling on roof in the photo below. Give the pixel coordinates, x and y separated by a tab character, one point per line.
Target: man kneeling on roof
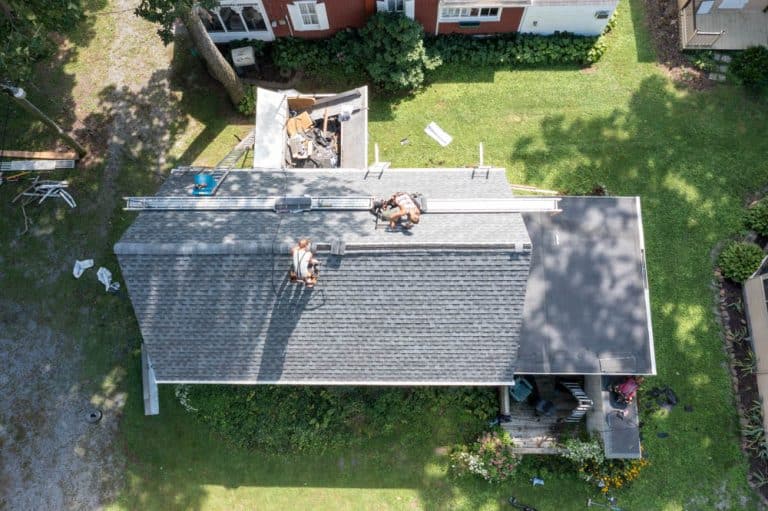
401	208
304	266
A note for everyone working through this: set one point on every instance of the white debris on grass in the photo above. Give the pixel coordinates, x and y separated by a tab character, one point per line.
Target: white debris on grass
81	266
438	134
105	277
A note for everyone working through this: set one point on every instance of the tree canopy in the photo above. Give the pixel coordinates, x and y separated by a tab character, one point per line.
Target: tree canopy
26	27
166	12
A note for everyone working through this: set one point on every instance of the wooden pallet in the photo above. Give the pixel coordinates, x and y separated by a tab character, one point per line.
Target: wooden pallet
39	155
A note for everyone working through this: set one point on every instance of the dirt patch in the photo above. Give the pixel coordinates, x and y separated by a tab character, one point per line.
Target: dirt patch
52	457
662	17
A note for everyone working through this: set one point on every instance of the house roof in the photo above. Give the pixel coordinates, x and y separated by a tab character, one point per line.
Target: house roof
440	305
587	307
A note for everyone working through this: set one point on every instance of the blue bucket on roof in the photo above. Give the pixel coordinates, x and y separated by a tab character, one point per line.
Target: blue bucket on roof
204	184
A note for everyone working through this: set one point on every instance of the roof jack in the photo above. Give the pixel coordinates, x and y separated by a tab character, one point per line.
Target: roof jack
378	166
482	165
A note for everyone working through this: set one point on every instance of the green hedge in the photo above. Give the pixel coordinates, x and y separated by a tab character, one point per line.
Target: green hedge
517	49
750	67
392	52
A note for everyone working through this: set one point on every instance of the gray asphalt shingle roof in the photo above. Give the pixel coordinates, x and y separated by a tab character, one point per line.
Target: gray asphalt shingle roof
211	294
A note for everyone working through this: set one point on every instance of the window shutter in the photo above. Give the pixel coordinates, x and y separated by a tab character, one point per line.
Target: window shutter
381	6
322	16
295	14
410	8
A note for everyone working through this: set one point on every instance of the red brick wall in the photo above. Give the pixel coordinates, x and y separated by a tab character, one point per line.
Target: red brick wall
341	14
354	13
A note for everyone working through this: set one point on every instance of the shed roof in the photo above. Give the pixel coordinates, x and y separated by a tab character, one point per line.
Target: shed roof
440	305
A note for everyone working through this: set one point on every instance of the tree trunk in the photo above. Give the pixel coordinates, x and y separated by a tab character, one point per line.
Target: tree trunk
215	61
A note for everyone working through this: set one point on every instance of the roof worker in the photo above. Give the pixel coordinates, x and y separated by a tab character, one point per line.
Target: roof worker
304	266
401	208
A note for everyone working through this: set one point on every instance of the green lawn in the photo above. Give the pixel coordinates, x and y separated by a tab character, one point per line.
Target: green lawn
692	157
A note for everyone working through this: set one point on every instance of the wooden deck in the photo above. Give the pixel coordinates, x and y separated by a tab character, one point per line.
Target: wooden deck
722	29
533	433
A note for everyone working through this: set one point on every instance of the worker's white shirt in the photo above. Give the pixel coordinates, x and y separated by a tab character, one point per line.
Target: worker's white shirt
301	258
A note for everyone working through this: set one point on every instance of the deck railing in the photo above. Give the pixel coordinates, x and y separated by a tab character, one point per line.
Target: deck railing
690	36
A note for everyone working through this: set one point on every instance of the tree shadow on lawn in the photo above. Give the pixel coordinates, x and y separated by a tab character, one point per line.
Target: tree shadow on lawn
50	90
692	158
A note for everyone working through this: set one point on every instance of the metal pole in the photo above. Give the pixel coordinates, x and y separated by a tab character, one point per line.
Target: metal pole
20	96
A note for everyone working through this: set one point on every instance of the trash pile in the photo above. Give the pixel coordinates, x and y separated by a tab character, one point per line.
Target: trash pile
313	143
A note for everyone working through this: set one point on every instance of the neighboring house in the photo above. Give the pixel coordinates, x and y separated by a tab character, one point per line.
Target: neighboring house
756	301
269	19
546	305
723	24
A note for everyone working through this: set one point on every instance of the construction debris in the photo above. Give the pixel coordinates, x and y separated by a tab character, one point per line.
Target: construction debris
313	143
44	190
437	133
81	266
105	277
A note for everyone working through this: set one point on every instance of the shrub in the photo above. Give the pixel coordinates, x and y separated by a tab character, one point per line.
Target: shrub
490	457
247	105
739	260
517	49
757	217
295	54
750	67
392	52
589	459
316	419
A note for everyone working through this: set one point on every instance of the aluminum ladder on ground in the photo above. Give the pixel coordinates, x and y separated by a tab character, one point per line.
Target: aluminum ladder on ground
351	203
223	168
585	404
36	165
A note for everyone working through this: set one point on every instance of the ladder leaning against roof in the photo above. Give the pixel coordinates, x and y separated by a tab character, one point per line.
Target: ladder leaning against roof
208	186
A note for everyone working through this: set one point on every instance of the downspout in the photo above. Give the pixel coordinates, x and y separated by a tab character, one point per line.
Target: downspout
437	17
287	18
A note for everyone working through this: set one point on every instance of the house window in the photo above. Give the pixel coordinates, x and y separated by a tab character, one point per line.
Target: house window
309	14
211	21
395	6
254	19
231	19
470	14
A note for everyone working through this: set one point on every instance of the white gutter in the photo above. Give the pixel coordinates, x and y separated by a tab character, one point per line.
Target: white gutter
646	292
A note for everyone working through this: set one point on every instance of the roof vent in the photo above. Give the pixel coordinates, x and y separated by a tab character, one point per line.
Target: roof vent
293	204
338	247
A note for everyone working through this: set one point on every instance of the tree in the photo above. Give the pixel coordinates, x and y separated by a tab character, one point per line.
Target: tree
166	12
25	30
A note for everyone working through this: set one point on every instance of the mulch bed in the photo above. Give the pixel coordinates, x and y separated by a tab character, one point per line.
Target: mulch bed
662	18
730	311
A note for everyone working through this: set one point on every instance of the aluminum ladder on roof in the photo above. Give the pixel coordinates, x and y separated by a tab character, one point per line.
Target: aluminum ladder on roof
351	203
223	168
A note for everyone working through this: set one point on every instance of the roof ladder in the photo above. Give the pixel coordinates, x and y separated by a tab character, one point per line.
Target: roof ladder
222	169
351	203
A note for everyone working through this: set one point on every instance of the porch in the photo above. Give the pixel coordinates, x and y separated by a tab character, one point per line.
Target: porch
708	24
542	411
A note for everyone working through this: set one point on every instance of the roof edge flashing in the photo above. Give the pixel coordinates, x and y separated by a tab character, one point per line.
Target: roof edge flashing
283	247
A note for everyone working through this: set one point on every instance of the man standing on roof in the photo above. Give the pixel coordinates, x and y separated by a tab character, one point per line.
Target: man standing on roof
304	264
401	206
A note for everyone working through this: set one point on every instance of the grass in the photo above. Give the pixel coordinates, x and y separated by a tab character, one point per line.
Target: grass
691	156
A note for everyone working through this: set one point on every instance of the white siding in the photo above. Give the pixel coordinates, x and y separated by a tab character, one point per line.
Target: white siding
578	19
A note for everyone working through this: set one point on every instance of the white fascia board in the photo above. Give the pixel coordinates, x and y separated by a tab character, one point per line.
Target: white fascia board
641	240
360	383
